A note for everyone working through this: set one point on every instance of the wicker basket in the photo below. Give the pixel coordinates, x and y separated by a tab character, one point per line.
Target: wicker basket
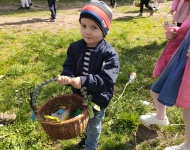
66	129
136	3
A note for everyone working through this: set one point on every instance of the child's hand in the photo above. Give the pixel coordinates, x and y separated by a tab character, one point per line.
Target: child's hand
171	11
188	52
76	82
172	34
63	80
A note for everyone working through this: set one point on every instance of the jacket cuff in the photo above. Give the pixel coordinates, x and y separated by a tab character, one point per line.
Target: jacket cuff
83	80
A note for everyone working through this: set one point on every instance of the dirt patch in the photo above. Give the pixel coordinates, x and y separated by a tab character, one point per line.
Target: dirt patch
67	16
66	21
149	134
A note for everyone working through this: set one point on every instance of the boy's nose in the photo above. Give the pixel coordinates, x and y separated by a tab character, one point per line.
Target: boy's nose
87	31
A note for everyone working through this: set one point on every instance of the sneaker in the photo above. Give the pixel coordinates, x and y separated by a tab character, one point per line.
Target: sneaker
151	12
6	118
30	4
52	19
176	147
151	119
28	7
140	15
81	144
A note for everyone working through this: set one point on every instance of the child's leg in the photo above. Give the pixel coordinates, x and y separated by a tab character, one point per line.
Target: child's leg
160	117
158	4
141	6
93	130
115	4
55	7
52	8
27	4
155	3
186	144
186	116
111	2
160	108
147	5
23	3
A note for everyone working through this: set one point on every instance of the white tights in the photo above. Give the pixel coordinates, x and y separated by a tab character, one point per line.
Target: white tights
156	4
25	3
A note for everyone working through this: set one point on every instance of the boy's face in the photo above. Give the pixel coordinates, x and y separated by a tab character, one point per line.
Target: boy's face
91	32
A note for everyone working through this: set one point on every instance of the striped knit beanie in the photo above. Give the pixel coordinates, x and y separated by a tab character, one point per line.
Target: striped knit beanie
99	12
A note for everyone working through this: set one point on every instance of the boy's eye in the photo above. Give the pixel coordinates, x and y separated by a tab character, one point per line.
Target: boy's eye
94	27
82	25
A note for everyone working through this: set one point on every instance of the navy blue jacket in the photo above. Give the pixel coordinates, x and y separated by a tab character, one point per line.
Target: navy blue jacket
103	70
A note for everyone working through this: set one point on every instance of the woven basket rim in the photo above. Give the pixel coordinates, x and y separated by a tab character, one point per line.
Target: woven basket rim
42	120
63	122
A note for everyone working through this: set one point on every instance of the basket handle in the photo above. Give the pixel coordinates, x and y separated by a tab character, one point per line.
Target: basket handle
35	93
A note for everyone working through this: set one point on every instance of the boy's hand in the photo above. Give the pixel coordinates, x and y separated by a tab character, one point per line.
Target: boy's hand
76	82
63	80
172	34
188	52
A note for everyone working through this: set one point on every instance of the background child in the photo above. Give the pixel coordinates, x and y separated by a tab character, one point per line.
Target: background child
146	3
92	66
181	9
174	74
113	3
25	4
53	8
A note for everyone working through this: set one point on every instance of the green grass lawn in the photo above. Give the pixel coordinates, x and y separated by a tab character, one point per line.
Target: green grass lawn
30	56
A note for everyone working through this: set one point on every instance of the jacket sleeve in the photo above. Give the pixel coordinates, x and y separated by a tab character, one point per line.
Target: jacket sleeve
69	66
106	78
175	4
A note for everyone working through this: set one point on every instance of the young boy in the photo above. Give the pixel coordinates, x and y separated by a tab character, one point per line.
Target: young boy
92	66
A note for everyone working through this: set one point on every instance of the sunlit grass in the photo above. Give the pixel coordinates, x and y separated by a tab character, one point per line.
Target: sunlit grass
31	56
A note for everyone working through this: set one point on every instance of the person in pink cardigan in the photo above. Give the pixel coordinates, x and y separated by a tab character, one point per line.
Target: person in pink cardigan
181	9
178	40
